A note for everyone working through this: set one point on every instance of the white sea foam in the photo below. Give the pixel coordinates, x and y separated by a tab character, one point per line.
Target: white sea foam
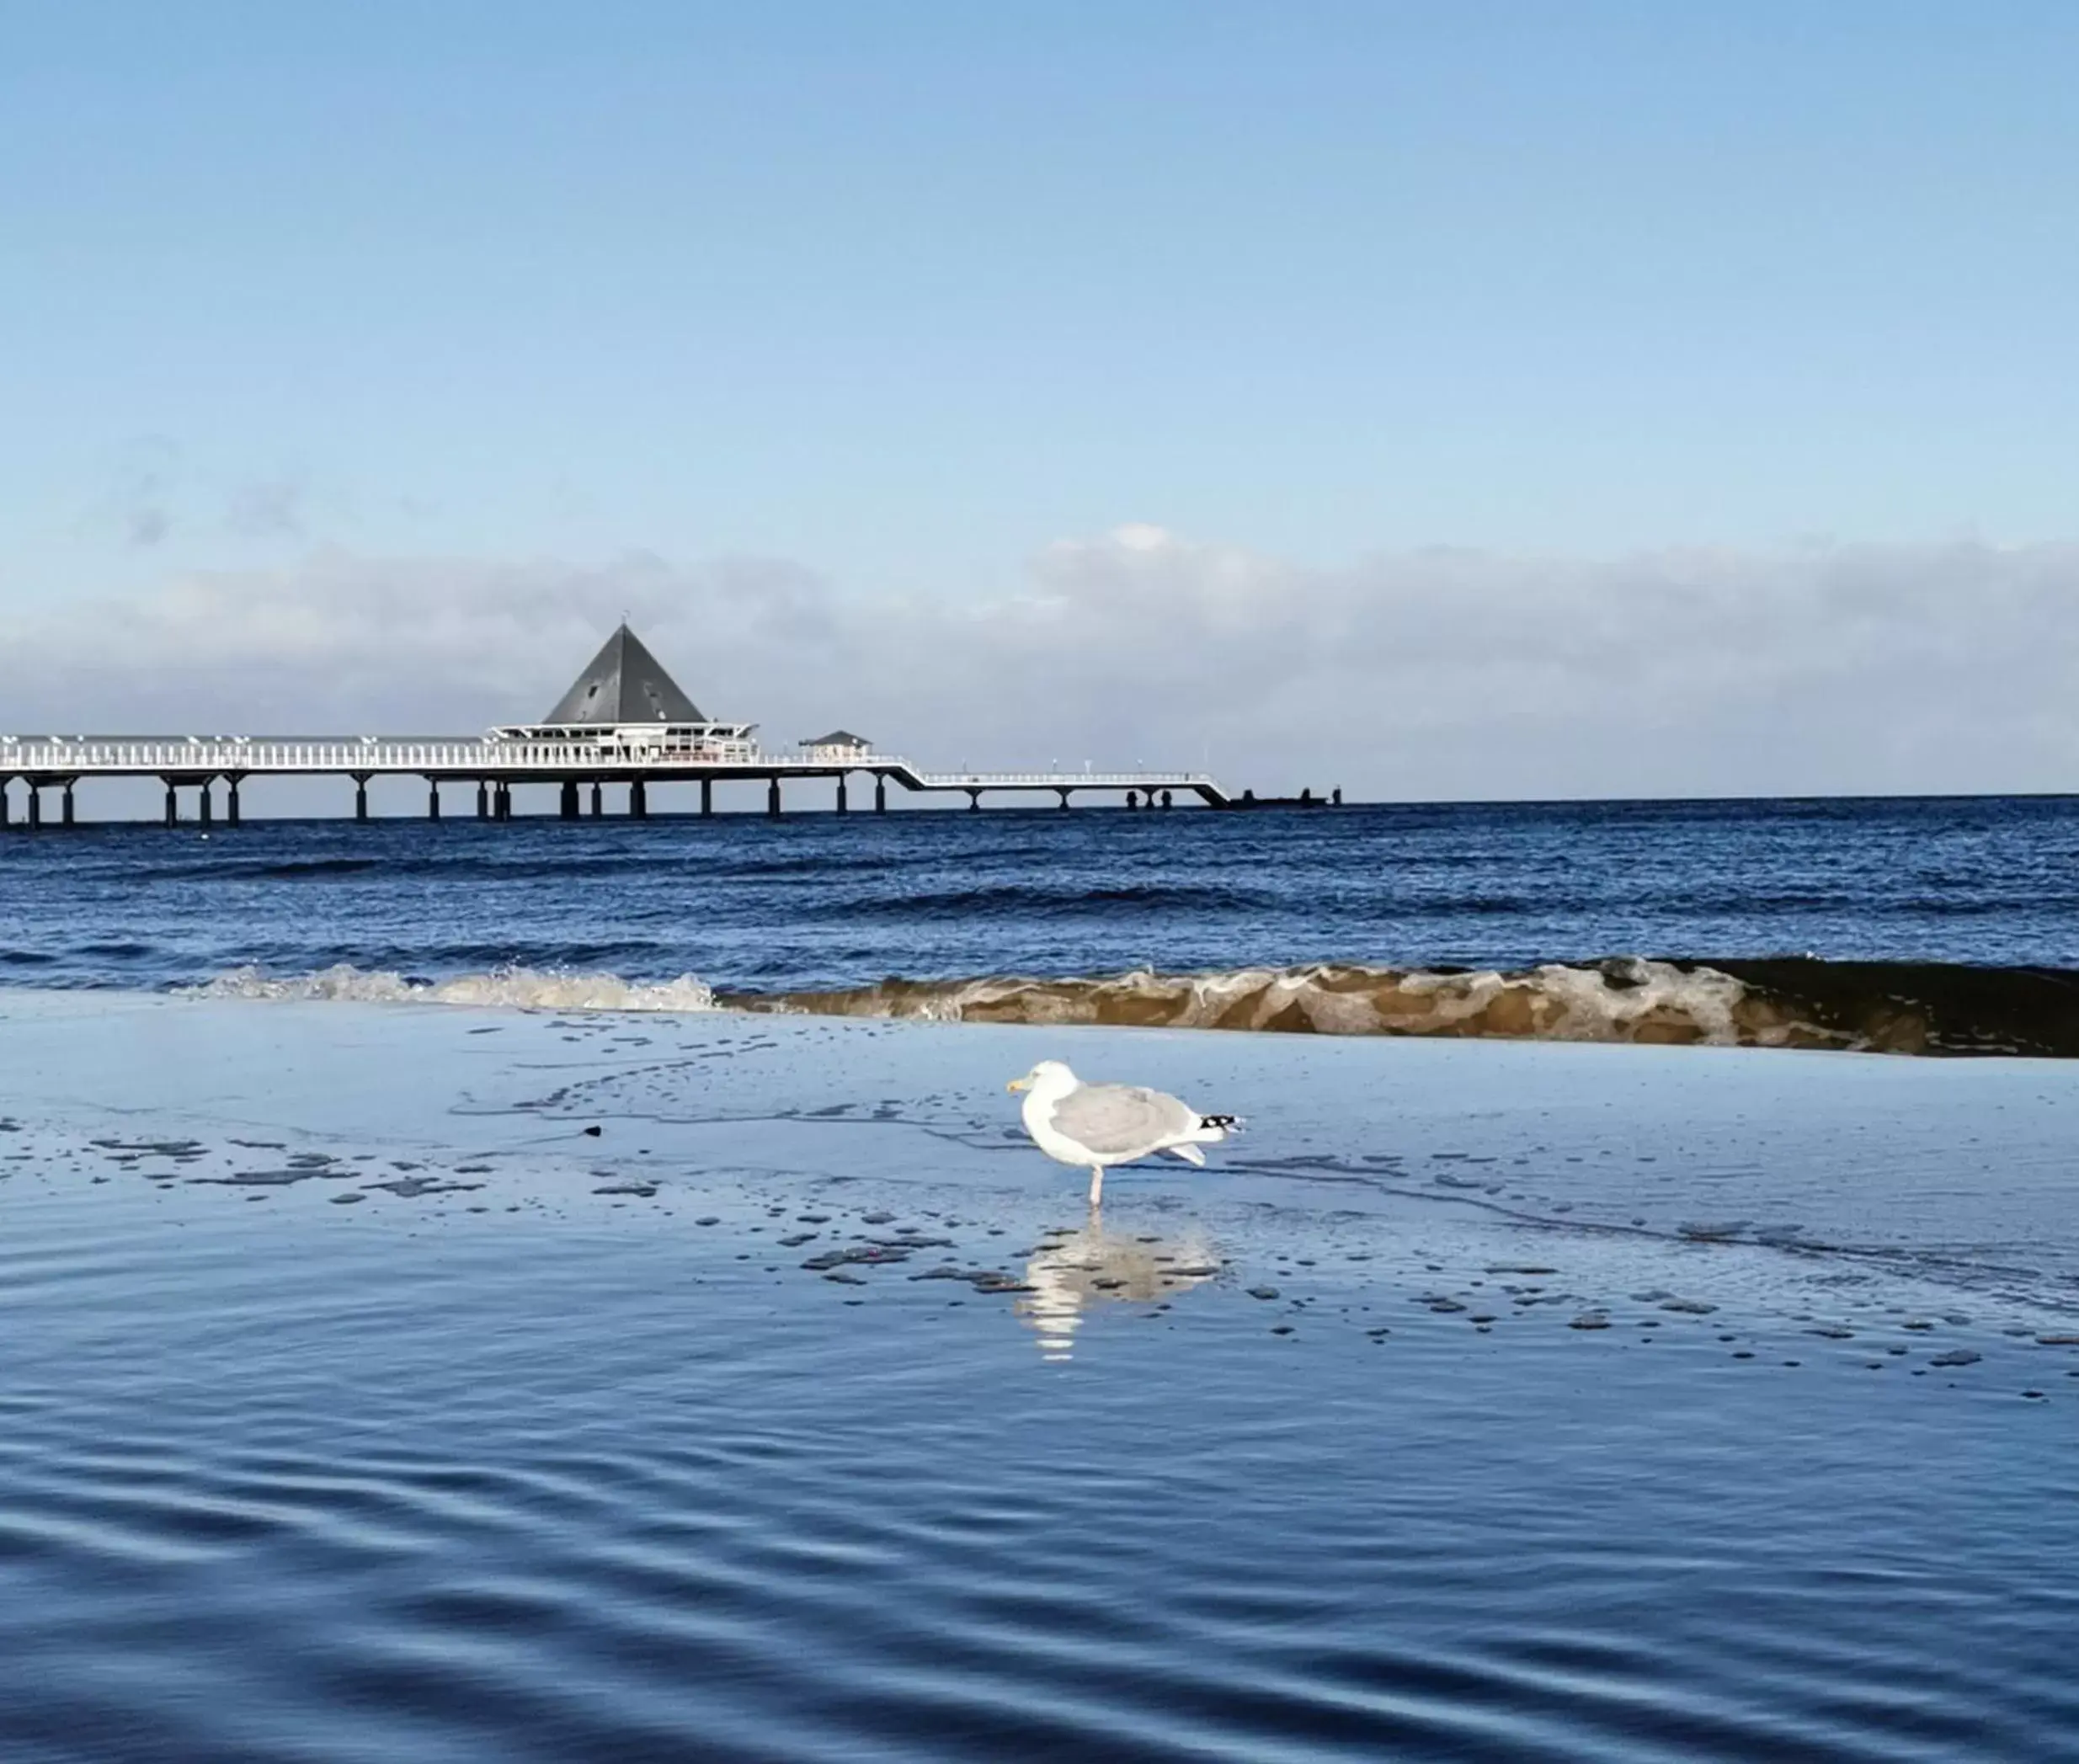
512	988
1583	1004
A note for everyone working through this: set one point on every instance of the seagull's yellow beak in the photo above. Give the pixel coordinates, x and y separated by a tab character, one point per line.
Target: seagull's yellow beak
1018	1084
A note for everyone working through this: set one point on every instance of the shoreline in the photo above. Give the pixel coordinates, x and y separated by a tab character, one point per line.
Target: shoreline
1790	1168
1799	1004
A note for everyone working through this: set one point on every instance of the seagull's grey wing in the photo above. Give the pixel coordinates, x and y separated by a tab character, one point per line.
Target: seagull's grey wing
1121	1121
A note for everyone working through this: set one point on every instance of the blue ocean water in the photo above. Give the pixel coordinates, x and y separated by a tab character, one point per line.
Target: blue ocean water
820	903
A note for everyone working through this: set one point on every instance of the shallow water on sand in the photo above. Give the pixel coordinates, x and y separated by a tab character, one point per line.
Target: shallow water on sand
1483	1402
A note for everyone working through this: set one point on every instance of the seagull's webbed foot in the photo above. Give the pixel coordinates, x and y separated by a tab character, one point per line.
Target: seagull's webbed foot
1097	1184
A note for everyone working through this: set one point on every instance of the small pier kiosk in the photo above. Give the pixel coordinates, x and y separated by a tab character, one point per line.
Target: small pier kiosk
625	723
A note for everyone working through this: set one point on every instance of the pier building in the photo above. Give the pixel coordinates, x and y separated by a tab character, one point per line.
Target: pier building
624	724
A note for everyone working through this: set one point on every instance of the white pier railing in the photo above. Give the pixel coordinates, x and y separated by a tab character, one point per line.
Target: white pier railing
1057	781
498	758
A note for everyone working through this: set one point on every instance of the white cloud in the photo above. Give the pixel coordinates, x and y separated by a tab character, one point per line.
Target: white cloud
1431	673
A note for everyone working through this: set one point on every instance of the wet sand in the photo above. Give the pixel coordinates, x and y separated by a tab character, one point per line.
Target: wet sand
413	1382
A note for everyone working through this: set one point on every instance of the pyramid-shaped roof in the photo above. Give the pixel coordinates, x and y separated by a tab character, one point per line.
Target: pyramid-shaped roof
624	682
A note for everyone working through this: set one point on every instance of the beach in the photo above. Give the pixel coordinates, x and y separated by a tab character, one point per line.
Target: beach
417	1382
653	654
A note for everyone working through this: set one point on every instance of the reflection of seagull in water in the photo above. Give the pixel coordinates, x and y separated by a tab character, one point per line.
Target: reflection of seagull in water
1096	1126
1080	1269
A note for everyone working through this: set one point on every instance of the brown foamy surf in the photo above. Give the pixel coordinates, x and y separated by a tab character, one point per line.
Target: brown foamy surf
1779	1002
1929	1008
1639	1002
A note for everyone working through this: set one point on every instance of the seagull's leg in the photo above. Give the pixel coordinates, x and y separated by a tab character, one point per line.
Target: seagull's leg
1097	1183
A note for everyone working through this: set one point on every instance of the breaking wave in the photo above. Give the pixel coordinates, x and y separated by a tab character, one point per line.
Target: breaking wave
515	989
1909	1008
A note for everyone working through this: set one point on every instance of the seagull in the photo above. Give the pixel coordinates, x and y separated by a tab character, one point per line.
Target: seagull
1100	1125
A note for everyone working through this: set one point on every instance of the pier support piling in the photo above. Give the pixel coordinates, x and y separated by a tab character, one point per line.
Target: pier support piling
360	795
65	814
483	799
707	796
6	808
1166	801
772	794
1132	799
598	800
974	801
230	802
567	803
433	799
1064	798
638	800
841	804
204	810
35	805
880	793
501	802
173	805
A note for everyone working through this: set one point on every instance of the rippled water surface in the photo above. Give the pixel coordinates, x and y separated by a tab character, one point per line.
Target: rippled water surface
818	901
1484	1402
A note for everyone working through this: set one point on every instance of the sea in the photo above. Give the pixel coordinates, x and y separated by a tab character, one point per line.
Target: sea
1897	924
546	1292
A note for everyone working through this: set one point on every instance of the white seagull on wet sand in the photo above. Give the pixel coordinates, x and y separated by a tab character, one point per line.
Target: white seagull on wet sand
1096	1126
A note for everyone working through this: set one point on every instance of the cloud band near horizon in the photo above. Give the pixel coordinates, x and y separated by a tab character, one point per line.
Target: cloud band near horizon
1430	675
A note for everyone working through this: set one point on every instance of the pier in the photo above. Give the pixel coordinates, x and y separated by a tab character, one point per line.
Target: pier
624	724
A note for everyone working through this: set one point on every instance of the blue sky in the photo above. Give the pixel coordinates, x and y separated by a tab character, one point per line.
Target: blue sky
903	294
